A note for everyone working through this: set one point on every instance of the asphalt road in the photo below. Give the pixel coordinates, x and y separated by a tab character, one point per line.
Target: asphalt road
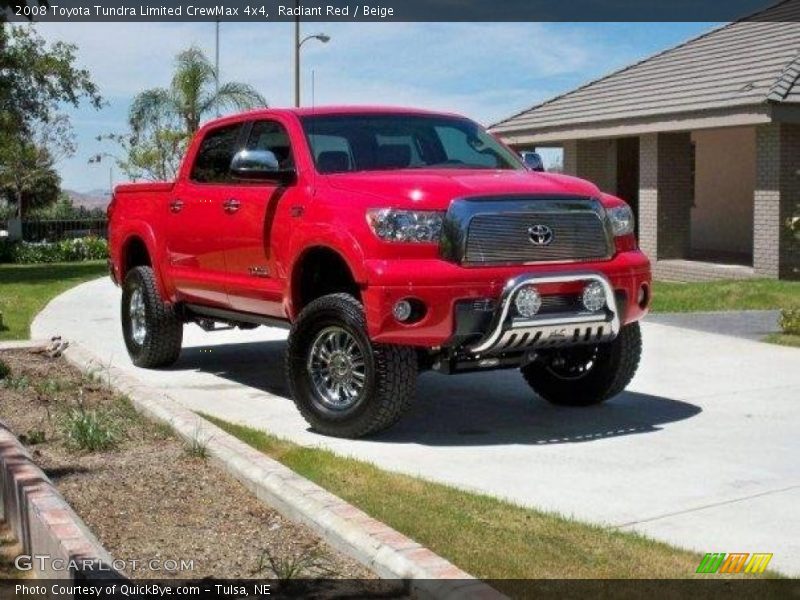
701	452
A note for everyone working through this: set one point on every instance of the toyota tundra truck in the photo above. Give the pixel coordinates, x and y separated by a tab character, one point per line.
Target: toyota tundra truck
388	241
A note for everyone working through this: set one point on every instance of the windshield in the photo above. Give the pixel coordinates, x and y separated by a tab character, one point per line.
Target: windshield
368	142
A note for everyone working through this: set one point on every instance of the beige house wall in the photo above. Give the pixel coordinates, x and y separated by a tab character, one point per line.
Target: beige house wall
725	176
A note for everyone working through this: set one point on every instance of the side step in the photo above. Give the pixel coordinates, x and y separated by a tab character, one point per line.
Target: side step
206	313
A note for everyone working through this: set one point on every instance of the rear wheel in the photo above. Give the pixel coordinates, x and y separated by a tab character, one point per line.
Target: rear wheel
152	330
343	384
586	375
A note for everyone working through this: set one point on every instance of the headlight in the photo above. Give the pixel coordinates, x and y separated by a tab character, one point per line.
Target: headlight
621	218
406	225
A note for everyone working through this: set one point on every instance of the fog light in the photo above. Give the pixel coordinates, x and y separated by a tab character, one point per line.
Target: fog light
594	296
528	301
402	310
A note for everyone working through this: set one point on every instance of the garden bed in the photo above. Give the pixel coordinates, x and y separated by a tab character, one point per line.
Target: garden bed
143	492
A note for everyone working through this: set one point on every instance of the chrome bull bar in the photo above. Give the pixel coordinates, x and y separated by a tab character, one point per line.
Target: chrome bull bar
513	334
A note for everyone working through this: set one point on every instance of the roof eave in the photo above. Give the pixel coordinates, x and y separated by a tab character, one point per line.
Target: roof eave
756	114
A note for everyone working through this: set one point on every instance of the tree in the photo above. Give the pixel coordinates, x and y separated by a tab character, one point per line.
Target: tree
36	77
162	120
191	95
27	174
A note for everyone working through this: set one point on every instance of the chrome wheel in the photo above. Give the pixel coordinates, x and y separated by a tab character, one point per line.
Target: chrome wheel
138	316
337	368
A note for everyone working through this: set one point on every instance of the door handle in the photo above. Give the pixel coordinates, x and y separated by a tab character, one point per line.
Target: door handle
231	205
176	205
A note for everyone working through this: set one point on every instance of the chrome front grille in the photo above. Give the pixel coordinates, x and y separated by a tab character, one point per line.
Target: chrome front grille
504	237
499	230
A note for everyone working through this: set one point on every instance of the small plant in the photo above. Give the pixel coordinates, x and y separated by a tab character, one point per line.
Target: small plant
790	321
89	430
19	384
5	370
33	437
49	387
197	447
309	561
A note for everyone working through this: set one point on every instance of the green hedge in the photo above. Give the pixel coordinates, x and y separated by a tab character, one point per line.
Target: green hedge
88	248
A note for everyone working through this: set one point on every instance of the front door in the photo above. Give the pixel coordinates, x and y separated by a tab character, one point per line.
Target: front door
196	211
257	226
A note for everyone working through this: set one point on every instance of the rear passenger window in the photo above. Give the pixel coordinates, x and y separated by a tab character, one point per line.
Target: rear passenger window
213	161
271	135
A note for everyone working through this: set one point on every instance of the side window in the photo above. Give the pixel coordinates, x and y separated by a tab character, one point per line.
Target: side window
272	136
213	161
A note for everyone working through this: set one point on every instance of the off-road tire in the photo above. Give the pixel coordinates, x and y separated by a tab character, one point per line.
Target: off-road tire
164	328
391	371
615	365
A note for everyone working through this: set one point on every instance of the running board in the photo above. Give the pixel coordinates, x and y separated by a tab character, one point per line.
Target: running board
234	316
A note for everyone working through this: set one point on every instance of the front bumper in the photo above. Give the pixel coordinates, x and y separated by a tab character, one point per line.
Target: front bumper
509	334
450	294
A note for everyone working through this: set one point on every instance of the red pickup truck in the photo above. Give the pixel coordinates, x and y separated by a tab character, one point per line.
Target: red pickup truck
389	241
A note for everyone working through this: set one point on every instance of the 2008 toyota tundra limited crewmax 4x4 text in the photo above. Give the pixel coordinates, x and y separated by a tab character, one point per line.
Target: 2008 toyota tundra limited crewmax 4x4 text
390	241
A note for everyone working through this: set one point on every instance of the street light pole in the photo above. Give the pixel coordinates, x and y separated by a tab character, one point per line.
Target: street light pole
216	66
297	45
297	58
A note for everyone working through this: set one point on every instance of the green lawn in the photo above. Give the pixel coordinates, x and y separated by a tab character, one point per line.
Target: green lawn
26	289
488	538
753	294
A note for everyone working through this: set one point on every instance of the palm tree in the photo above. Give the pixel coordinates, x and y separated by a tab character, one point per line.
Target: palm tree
190	96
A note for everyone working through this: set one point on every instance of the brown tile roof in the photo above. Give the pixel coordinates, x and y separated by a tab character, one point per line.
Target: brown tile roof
744	63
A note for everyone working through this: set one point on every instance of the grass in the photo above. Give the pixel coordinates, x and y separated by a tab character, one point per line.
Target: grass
487	537
89	430
784	339
26	289
754	294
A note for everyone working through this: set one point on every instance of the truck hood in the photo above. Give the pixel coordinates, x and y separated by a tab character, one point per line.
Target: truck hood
435	189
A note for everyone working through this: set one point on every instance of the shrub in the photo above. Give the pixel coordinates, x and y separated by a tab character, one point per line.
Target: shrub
790	320
79	249
5	370
7	249
89	430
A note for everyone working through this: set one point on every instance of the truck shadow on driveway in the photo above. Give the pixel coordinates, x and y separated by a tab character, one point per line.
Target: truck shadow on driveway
478	409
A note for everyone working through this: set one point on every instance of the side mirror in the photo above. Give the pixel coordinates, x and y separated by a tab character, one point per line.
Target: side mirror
259	165
532	160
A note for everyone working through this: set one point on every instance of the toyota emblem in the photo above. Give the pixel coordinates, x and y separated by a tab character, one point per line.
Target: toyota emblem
540	235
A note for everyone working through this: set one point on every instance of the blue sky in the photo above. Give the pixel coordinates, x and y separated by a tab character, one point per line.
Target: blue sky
484	70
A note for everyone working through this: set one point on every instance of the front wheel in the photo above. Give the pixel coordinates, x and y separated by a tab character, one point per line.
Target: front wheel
342	383
586	375
152	330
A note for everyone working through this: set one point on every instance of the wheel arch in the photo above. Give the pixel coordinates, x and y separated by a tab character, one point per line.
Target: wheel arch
319	270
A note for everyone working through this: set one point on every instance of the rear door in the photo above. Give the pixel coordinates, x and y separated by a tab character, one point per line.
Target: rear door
257	228
196	214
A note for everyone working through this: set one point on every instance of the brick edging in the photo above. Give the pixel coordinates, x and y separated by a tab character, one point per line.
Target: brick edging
389	553
43	522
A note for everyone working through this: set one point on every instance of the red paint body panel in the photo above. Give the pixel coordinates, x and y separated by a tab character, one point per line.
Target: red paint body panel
201	253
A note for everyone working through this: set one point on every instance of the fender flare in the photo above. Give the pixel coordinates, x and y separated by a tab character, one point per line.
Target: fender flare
144	232
341	243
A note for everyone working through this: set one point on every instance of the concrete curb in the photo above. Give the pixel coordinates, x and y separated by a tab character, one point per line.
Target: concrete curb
386	551
43	522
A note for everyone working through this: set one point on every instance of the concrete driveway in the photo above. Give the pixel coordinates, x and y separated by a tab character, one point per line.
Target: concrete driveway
701	452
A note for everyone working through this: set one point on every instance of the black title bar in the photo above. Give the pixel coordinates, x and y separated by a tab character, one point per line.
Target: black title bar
259	11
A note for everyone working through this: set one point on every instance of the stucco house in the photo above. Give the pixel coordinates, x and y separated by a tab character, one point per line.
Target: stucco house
703	140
